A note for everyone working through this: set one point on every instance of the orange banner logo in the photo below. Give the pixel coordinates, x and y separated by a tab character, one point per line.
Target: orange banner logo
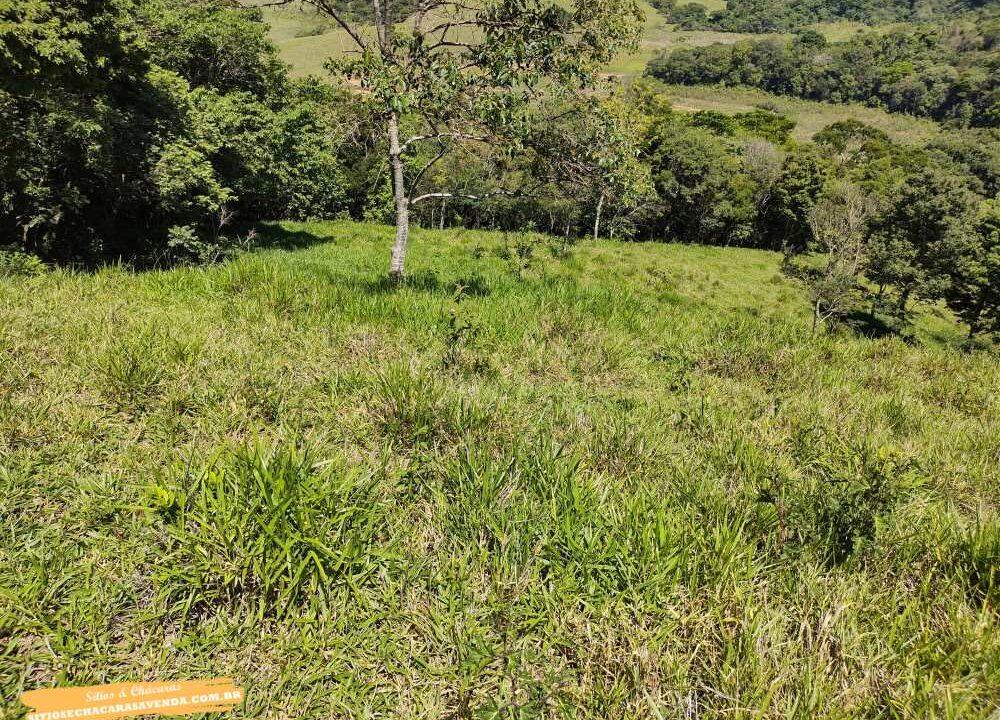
128	699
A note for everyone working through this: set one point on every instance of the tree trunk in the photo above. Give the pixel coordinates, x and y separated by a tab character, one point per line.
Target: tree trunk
597	215
877	300
397	263
903	299
444	205
976	316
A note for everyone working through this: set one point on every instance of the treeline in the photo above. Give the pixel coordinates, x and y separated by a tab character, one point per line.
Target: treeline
145	129
949	74
163	130
893	223
764	16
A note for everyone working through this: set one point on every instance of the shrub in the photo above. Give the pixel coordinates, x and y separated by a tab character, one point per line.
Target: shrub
14	263
847	490
130	371
978	561
414	408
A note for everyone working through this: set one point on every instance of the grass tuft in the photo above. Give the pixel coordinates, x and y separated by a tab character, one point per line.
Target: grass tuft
268	533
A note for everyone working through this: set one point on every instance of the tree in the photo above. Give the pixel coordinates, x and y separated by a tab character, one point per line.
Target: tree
213	44
690	16
762	163
460	71
803	175
839	224
133	129
69	71
846	137
974	291
703	194
592	152
915	238
975	153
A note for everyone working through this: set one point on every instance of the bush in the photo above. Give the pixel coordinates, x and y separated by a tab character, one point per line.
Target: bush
978	561
130	372
414	408
836	509
14	263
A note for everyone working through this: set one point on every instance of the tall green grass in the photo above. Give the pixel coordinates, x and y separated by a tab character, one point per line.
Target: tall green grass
598	481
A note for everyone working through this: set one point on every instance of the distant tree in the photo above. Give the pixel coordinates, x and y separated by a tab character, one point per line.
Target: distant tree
844	136
812	39
461	72
211	43
703	195
665	7
973	292
919	234
762	163
804	173
765	124
782	15
911	69
718	122
707	65
975	152
595	151
690	16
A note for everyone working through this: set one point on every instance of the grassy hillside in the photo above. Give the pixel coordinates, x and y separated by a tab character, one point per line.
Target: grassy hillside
306	39
810	116
610	480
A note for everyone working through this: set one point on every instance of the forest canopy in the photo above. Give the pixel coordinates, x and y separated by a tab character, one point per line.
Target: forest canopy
143	128
762	16
946	73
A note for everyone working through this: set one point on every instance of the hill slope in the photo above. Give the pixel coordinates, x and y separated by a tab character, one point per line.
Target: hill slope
306	41
609	481
810	116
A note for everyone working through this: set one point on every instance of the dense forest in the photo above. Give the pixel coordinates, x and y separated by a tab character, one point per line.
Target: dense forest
948	73
761	16
142	129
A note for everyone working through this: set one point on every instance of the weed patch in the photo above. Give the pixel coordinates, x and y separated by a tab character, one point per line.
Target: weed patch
269	533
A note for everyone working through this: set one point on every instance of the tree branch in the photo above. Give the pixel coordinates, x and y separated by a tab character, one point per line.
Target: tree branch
469	196
441	136
424	169
428	196
326	8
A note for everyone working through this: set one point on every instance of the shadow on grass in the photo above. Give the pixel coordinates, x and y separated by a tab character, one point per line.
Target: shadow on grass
275	237
870	326
428	281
